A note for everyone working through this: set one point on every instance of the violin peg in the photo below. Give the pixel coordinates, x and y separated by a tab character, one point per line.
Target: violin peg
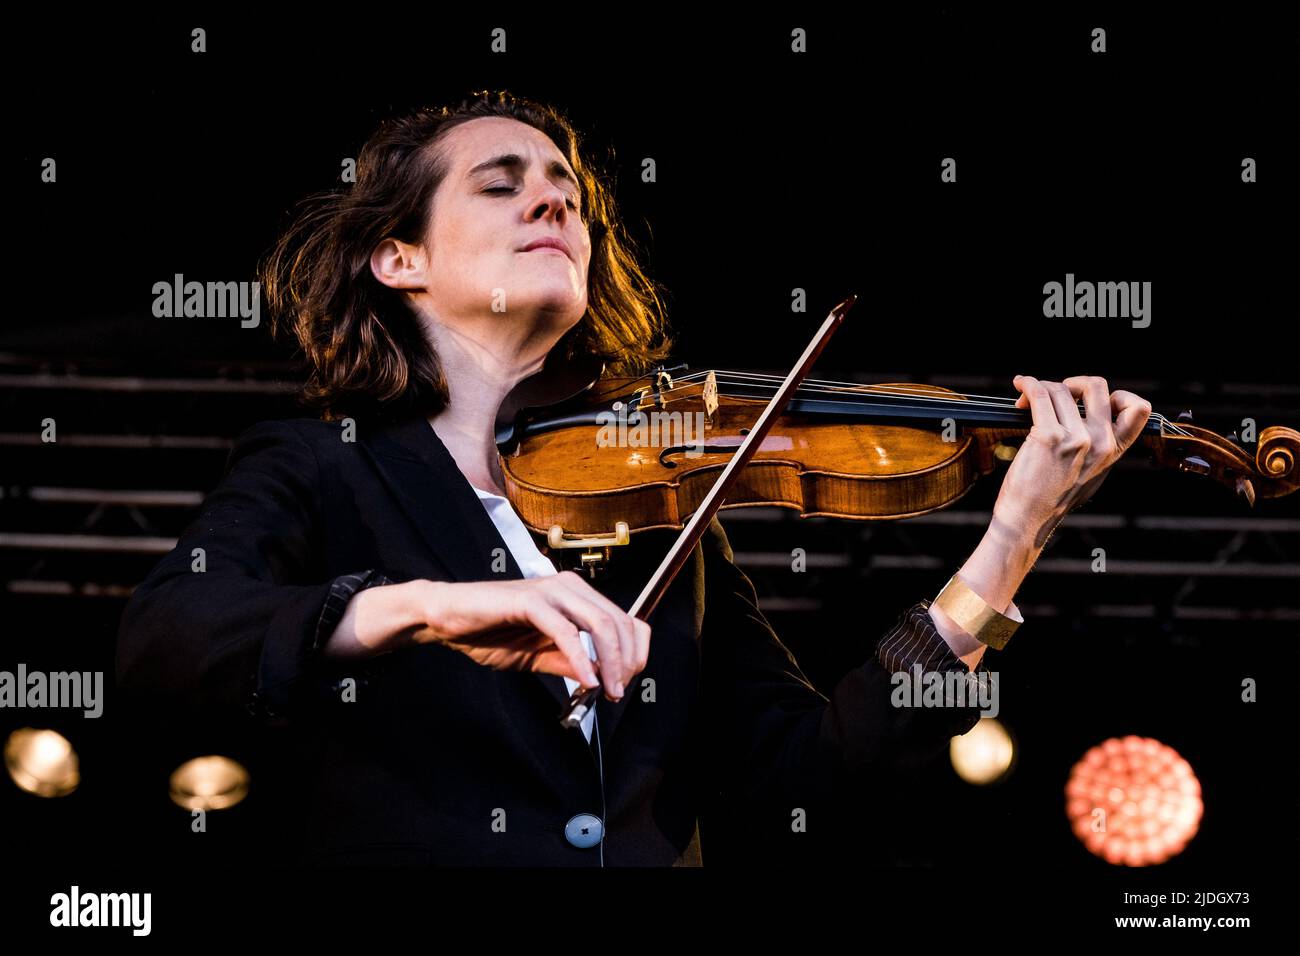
1246	489
1185	416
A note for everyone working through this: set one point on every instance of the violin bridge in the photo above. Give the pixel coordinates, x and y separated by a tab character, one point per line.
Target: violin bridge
710	395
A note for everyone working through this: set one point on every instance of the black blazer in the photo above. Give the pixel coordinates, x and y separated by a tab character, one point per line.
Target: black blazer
440	760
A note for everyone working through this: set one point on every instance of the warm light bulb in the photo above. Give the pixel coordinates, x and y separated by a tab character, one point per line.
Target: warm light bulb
1133	801
42	762
209	783
983	754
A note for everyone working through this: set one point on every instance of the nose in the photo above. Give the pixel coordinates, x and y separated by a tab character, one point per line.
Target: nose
552	201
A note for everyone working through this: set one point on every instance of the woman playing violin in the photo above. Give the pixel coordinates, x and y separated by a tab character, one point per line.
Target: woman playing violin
368	596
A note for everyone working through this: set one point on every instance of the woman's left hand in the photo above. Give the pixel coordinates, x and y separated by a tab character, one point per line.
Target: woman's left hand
1066	456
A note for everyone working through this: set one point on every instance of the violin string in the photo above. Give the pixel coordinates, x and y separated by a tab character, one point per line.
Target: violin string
824	385
866	390
816	385
918	391
957	402
952	403
903	389
889	391
954	400
872	390
967	398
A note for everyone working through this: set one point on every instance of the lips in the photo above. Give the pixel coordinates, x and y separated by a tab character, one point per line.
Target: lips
547	243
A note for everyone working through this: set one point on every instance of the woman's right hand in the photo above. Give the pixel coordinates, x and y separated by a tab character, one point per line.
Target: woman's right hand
529	625
533	625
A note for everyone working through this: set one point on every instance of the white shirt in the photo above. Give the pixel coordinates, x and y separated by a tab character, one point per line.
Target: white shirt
533	564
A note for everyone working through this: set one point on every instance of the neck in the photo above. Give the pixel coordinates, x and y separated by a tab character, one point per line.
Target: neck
481	367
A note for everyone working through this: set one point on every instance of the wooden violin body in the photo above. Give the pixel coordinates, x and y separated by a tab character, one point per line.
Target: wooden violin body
644	452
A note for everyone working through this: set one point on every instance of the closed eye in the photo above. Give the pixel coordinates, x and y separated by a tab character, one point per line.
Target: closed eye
509	189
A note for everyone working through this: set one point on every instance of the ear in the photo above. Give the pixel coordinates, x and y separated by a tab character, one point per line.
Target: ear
400	265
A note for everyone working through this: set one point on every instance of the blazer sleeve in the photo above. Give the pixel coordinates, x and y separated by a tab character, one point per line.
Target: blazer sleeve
234	616
774	737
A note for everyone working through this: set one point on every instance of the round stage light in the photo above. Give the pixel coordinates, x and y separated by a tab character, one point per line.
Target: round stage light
983	755
1133	801
42	762
209	783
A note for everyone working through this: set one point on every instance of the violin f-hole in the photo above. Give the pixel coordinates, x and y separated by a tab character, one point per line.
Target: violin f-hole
696	449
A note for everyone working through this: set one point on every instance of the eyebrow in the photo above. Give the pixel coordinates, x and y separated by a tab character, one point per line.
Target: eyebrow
513	161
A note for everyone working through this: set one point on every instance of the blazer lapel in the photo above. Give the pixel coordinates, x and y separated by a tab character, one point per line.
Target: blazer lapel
440	501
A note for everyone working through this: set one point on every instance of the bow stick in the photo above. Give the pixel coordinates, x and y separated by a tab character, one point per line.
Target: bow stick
584	699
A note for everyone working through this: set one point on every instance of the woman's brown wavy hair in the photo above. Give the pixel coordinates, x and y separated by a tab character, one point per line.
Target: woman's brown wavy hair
366	350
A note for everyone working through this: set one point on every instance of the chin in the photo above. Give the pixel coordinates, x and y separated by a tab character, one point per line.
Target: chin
558	301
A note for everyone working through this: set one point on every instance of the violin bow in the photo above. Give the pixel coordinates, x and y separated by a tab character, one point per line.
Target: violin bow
583	700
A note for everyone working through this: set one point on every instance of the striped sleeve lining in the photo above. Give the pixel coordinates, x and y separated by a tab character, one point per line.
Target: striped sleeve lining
913	641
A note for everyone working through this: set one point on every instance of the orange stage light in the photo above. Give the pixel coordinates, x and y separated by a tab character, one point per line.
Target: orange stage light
1133	801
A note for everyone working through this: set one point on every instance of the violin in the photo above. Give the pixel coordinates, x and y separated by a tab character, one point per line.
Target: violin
643	452
589	460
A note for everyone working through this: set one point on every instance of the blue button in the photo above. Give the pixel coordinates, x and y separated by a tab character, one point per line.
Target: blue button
584	830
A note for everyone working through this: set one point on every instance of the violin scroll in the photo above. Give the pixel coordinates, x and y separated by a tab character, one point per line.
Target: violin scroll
1270	473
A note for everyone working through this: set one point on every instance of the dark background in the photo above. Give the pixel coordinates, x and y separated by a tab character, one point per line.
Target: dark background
775	172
